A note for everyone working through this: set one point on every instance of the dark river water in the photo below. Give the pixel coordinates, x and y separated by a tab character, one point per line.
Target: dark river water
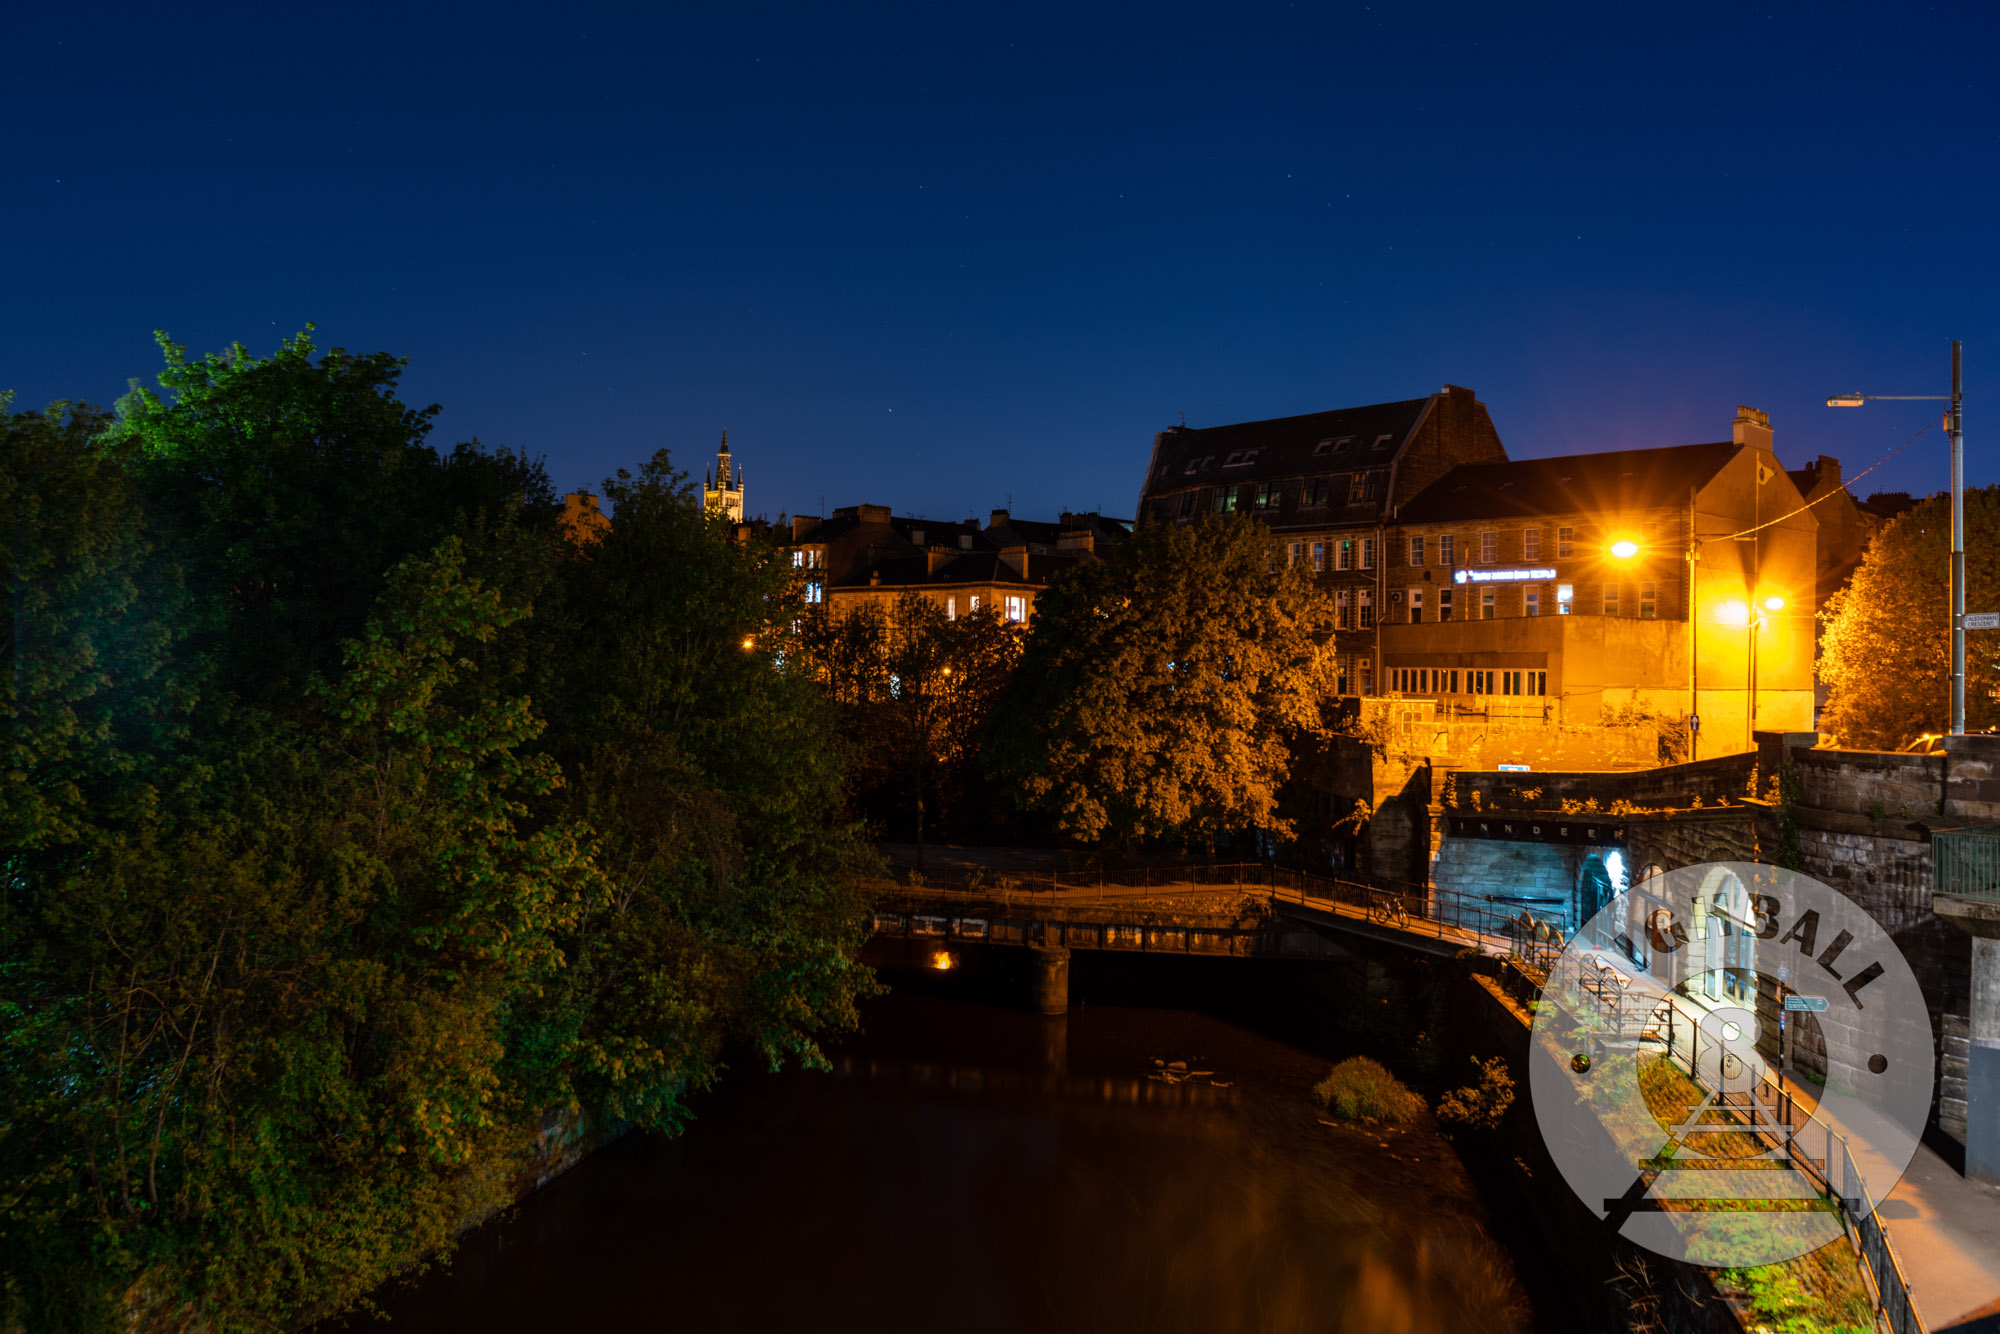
973	1167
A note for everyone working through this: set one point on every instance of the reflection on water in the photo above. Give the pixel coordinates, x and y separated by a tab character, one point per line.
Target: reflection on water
973	1168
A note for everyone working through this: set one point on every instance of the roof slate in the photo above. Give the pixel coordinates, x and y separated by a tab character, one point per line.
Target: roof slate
1625	479
1284	445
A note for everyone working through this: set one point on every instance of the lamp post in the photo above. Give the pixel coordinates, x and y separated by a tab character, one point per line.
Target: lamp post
1954	429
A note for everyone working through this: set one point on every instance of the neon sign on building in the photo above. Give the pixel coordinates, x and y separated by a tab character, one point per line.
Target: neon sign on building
1535	575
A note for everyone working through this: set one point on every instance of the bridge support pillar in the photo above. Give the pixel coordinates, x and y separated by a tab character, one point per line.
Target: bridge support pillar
1048	978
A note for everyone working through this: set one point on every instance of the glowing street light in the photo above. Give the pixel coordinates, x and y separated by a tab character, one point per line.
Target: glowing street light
1774	603
1741	615
1955	429
1624	549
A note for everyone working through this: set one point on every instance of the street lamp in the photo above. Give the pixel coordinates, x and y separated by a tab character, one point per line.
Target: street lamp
1954	428
1625	551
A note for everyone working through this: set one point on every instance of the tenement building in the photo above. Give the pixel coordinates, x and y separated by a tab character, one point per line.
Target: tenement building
1678	582
864	554
1325	483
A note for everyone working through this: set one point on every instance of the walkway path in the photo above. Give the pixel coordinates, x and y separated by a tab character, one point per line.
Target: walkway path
1947	1232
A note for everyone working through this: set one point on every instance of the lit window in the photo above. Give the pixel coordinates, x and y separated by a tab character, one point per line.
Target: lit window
1342	613
1486	605
1366	602
1416	606
1565	538
1531	544
1367	553
1611	599
1565	598
1489	548
1534	602
1017	608
1341	670
1267	495
1297	550
815	592
1649	601
798	560
1447	549
951	609
1444	604
1319	556
1225	500
1416	551
972	602
1357	488
1345	555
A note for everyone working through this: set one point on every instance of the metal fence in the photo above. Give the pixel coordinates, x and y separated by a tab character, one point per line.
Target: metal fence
1965	863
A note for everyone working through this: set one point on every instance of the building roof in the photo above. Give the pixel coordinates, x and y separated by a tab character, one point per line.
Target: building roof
1625	479
1282	446
971	567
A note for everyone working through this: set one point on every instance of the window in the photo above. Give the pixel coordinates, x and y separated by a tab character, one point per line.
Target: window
1225	500
1416	606
1486	605
1382	442
1017	608
1319	556
1357	488
1565	539
1188	499
1416	551
1531	544
815	591
951	608
1444	604
1565	598
1267	495
1448	682
1368	676
1534	602
1313	492
1365	599
1297	551
1649	601
974	601
1538	683
1193	466
1342	613
1344	556
1322	446
1342	670
1489	548
1479	682
1447	553
1611	599
798	560
1367	553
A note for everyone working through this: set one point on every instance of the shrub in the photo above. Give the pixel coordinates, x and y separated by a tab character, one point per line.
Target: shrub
1480	1106
1359	1089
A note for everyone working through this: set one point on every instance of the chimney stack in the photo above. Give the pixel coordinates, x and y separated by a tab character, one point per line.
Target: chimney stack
1752	428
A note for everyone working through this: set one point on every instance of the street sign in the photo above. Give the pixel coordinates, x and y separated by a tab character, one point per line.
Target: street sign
1813	1003
1694	722
1982	620
1513	768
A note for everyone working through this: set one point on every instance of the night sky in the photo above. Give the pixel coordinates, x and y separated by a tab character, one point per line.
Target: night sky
936	257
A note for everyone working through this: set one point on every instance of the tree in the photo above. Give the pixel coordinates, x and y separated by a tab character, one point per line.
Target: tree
1885	652
292	486
1157	693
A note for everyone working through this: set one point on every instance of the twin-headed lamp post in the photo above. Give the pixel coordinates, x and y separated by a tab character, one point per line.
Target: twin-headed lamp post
1954	428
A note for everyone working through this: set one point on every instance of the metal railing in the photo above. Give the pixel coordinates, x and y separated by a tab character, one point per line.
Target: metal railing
1832	1173
1965	863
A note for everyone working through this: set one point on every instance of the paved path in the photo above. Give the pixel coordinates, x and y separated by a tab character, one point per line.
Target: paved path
1947	1234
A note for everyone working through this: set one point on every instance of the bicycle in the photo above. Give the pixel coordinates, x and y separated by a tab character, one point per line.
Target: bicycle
1388	910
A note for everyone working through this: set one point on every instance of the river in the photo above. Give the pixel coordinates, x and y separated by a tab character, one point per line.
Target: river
972	1167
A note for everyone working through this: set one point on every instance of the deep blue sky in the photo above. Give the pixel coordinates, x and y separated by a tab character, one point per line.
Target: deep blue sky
936	256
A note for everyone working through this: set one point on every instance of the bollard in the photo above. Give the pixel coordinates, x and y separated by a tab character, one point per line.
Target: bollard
1048	979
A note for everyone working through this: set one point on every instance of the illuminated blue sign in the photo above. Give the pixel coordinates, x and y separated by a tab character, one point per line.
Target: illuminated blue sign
1502	576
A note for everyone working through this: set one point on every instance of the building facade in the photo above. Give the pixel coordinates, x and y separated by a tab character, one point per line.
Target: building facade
864	554
1681	582
1326	484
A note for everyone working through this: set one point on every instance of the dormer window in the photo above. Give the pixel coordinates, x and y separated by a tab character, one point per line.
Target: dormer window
1193	465
1235	457
1382	441
1322	446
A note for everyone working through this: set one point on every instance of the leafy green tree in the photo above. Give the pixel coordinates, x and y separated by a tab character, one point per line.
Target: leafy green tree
1885	652
1157	693
253	1037
702	757
293	486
